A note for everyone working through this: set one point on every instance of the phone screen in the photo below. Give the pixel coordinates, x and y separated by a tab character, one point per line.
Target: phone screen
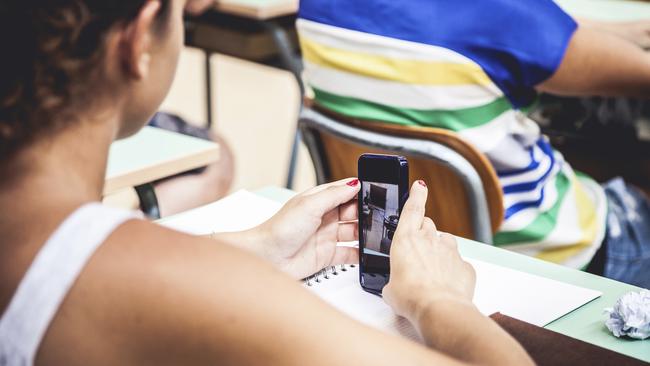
384	183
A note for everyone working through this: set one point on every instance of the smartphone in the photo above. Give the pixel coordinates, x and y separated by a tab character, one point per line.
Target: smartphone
384	190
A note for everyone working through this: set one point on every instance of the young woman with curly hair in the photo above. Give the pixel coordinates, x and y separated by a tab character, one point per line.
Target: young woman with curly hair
83	284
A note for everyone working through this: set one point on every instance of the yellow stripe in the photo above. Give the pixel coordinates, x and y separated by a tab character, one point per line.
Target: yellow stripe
587	215
588	221
405	71
560	255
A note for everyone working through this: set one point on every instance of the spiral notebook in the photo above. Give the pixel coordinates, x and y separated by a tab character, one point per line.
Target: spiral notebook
529	298
520	295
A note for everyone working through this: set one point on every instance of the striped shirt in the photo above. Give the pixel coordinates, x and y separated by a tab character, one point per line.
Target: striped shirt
470	67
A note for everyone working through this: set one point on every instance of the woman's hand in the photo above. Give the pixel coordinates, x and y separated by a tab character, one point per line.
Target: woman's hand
302	237
425	264
196	7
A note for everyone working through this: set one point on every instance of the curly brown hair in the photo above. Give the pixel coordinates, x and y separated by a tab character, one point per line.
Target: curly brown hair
52	50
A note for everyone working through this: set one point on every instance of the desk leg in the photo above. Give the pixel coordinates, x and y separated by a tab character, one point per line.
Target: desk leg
148	201
294	65
286	51
208	88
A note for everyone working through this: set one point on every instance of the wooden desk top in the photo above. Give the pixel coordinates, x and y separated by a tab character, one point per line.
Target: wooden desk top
258	9
154	154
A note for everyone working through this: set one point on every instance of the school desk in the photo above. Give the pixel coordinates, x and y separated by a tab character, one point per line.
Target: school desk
153	154
261	31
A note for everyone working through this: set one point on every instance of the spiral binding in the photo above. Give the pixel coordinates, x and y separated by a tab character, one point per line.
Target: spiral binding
327	273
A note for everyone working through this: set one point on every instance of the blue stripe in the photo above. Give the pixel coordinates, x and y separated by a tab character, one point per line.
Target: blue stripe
534	164
519	45
532	185
529	186
520	206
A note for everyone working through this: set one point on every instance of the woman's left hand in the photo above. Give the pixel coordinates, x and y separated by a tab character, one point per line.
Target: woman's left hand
302	237
196	7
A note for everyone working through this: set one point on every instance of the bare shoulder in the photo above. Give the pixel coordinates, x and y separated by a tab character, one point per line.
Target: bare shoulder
145	291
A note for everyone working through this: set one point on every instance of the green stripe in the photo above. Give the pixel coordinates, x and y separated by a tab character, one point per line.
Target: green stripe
455	120
543	224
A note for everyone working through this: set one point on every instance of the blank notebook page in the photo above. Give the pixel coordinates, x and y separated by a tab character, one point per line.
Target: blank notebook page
520	295
344	293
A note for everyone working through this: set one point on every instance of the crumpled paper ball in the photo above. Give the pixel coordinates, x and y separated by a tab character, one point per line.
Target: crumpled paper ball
630	316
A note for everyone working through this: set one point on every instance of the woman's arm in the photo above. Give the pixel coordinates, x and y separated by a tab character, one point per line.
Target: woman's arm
155	296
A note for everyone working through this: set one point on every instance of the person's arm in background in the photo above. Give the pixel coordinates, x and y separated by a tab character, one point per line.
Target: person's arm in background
637	32
599	63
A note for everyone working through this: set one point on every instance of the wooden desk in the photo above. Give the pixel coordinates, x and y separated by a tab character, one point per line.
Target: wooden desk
154	154
258	9
585	323
261	31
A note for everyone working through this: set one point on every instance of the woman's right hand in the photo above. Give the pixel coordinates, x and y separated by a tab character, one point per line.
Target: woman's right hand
425	265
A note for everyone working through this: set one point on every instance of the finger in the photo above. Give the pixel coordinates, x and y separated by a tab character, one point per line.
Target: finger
332	197
429	227
412	214
345	255
349	211
322	187
348	231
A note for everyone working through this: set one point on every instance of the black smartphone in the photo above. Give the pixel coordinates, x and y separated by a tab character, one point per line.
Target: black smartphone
384	190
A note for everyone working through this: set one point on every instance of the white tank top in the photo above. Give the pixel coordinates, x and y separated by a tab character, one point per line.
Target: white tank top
49	278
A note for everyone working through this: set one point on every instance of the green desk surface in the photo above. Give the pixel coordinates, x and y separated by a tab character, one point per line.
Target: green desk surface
153	154
610	10
585	323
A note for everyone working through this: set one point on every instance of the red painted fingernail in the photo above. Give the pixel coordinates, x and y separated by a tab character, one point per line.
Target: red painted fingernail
422	183
353	183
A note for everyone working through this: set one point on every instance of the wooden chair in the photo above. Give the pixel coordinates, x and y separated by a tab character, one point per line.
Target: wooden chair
465	197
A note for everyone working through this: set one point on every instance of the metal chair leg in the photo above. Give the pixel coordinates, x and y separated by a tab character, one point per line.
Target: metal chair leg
294	65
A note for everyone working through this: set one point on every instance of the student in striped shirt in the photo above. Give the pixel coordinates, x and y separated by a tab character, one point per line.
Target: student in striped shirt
475	67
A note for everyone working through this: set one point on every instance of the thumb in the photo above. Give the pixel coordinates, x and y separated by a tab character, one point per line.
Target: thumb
412	215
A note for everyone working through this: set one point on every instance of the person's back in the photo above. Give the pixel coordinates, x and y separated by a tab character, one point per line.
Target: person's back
472	67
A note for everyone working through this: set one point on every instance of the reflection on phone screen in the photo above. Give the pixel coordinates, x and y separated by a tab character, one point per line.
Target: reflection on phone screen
379	218
380	205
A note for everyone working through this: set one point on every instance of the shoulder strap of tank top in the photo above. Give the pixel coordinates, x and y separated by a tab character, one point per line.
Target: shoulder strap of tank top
50	277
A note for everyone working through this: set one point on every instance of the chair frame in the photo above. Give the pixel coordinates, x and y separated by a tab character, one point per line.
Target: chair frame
311	122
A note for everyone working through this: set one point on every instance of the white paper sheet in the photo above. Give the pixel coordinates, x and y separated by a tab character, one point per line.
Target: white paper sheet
523	296
239	211
526	297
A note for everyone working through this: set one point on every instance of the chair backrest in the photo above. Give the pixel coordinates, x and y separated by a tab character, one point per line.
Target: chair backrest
465	197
